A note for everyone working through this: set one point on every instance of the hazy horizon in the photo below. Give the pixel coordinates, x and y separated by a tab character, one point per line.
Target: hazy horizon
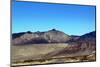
70	19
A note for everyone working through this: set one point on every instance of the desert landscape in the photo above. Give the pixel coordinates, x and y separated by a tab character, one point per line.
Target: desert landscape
52	46
52	33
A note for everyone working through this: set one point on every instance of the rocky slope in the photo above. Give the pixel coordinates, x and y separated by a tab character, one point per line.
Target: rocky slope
51	36
83	45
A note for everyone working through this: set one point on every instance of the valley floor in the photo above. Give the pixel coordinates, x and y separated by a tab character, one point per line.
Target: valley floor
47	54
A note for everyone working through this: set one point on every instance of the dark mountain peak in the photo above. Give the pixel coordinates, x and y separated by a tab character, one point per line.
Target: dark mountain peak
89	35
16	35
53	30
29	32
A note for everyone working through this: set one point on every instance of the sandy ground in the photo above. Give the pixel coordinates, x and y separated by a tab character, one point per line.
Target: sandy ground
36	53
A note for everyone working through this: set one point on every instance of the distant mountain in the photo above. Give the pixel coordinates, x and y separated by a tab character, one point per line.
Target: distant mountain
51	36
87	40
88	36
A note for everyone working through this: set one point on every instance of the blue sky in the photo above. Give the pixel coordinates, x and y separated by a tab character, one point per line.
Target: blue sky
71	19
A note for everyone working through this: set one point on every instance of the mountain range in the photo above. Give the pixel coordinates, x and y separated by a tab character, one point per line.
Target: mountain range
52	46
51	36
